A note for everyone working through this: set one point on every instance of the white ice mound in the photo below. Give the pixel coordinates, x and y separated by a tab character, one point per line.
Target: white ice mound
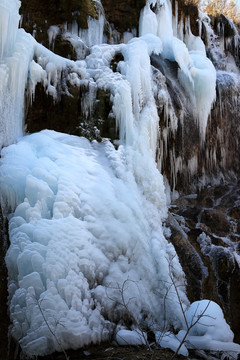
210	330
206	330
209	320
83	235
131	337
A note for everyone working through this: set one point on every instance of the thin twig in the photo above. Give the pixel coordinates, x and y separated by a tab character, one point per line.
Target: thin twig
49	328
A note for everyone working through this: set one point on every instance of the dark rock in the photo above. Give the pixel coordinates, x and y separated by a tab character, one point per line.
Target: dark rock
38	16
227	26
225	264
217	241
188	9
45	113
189	259
124	14
222	282
238	227
234	302
64	48
220	191
216	221
109	351
67	114
207	202
190	213
114	63
235	213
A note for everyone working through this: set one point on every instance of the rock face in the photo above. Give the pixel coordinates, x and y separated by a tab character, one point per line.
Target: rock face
124	14
205	233
37	16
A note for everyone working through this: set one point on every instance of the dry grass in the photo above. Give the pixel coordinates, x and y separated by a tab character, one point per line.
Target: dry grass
228	8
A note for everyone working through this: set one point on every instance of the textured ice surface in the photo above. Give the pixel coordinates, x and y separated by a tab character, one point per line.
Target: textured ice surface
83	233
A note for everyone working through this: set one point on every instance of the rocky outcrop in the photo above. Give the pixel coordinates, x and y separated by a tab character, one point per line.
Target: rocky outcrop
37	16
205	233
184	161
124	14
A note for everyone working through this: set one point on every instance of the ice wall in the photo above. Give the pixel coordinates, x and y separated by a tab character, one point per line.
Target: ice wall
82	232
16	51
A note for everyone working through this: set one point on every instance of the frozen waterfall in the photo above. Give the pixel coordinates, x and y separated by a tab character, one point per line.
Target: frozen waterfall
196	72
86	219
16	52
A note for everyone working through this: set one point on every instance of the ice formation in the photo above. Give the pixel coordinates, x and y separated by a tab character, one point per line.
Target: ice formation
206	330
82	231
16	50
128	337
82	39
212	321
86	225
86	220
196	72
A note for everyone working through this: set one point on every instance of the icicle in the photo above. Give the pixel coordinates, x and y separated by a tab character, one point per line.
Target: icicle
94	35
196	71
16	52
148	21
53	32
9	20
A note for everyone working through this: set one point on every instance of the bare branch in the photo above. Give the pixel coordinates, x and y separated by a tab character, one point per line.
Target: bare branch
38	302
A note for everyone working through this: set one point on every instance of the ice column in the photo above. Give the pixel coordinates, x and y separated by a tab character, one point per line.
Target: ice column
196	72
16	49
